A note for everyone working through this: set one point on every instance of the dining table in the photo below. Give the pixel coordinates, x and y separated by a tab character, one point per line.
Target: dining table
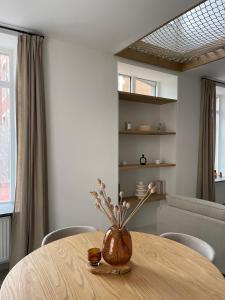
161	269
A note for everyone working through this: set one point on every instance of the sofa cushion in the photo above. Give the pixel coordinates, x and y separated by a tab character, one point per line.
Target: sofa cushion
199	206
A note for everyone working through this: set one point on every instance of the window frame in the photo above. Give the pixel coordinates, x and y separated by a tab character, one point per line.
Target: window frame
11	86
130	79
148	81
217	135
133	80
3	118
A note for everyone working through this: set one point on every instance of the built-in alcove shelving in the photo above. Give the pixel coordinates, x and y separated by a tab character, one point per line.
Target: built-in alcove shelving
129	167
142	132
147	125
147	166
152	198
132	97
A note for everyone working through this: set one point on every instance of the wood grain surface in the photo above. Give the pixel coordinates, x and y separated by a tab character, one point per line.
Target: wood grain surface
105	268
140	98
161	269
146	132
138	166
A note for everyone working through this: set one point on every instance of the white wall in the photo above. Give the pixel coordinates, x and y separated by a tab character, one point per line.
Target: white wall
82	131
188	114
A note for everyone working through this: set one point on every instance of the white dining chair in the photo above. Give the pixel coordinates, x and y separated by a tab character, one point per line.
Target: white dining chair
65	232
192	242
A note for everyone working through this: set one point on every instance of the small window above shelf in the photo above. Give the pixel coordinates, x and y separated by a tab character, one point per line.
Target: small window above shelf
142	132
138	166
152	198
132	97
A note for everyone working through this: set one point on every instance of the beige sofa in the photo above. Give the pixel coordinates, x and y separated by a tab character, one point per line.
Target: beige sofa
200	218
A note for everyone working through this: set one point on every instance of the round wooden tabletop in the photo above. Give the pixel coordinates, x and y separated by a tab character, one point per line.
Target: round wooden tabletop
162	269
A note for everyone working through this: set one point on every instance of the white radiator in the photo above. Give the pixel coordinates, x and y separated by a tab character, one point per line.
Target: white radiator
4	239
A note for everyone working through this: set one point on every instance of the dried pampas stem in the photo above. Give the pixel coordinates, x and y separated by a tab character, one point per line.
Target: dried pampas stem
151	190
107	201
117	214
126	208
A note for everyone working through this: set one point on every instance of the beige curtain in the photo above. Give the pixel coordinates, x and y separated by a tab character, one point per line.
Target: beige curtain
29	223
205	183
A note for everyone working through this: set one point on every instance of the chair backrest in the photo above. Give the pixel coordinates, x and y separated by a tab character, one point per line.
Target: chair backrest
64	232
192	242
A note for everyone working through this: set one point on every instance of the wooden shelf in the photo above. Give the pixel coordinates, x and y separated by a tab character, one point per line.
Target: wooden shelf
132	97
138	166
142	132
154	197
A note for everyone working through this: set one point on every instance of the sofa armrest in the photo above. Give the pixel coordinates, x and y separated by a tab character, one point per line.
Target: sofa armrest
172	219
199	206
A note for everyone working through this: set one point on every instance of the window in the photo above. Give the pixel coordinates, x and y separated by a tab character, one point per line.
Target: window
7	130
144	87
124	83
220	131
136	85
3	119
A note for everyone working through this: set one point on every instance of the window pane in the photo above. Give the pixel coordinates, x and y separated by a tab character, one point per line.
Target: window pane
124	83
5	144
145	87
220	131
222	136
217	136
4	67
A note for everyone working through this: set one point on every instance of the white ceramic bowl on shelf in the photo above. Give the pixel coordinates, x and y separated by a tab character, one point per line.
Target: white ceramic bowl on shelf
141	189
145	127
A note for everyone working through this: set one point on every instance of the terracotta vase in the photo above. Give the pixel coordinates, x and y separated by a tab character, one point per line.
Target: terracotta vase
117	246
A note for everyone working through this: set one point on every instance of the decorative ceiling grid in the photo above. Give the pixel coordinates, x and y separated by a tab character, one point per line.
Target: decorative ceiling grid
197	32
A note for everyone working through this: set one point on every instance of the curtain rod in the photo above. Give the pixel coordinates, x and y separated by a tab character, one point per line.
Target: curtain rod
5	27
215	80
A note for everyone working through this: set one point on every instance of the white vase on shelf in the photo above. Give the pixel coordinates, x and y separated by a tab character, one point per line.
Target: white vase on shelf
141	189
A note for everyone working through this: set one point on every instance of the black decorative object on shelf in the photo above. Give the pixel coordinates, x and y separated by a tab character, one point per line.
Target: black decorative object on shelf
143	160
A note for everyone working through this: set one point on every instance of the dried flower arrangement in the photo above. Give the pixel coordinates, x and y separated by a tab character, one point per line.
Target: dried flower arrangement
118	214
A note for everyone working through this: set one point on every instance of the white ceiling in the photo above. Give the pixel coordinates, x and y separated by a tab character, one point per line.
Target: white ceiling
213	70
220	91
104	24
8	41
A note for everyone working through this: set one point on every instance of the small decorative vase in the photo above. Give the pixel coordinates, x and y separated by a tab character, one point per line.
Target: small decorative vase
117	246
143	160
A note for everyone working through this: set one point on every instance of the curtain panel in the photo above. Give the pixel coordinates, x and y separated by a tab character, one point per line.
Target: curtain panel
206	157
30	218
